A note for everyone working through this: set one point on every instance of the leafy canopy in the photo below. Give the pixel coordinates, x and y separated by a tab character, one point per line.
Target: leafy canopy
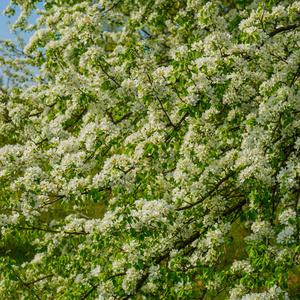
153	129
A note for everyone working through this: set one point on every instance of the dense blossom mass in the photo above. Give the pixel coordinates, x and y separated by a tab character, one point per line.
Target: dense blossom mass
155	153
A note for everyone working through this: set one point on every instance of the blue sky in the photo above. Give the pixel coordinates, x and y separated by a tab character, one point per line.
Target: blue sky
5	33
4	28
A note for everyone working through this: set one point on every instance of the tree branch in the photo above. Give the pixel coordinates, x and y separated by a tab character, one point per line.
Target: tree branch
209	193
283	28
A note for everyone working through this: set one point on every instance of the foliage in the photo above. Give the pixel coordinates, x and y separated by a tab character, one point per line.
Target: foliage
153	128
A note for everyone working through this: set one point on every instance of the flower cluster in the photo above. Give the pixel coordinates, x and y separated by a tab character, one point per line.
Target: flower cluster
151	131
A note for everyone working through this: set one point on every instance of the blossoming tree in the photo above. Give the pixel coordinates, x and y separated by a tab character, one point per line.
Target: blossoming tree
151	130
